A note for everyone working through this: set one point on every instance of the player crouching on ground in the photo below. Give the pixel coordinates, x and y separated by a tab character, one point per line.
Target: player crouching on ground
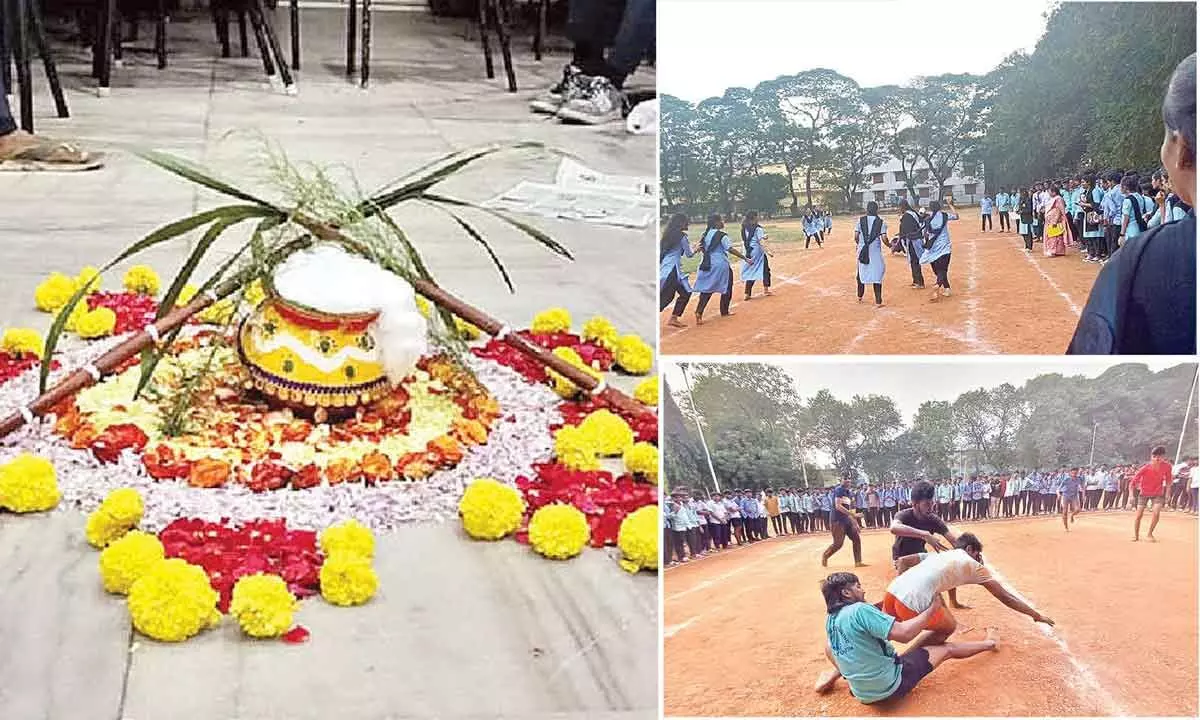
858	644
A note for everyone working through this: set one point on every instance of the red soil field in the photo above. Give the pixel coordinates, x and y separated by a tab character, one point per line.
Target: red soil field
1003	301
744	629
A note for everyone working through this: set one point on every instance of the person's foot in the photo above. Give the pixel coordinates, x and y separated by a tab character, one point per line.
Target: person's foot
728	314
878	305
1135	538
568	87
598	102
824	561
768	293
748	298
861	564
826	681
676	322
699	319
993	636
24	151
945	292
1151	538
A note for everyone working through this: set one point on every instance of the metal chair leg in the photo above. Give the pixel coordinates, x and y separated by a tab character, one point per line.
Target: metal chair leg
351	36
539	38
102	54
221	22
484	6
39	37
273	44
501	18
242	33
6	56
295	28
365	74
160	35
264	50
20	47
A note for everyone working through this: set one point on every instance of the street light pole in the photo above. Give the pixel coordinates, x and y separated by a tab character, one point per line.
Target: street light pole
699	428
1186	412
1092	457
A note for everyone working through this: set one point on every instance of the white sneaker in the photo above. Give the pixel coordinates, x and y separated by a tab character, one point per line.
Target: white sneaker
573	82
600	102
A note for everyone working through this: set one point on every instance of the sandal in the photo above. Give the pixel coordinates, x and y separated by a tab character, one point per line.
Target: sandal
676	322
43	154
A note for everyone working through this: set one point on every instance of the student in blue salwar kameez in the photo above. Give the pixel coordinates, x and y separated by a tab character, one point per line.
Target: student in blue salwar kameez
715	274
937	250
672	282
870	234
756	267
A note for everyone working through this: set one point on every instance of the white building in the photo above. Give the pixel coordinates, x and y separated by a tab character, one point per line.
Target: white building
885	184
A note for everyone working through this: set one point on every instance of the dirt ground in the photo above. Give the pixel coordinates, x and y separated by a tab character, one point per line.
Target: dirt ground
1004	301
745	629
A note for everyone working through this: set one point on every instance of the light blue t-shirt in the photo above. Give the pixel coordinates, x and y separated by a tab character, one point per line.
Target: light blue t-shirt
985	206
858	636
1144	204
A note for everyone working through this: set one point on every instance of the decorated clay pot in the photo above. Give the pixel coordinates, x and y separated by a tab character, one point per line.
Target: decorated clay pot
311	360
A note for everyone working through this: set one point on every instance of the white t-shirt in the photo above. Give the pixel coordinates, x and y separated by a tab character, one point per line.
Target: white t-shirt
937	573
1195	476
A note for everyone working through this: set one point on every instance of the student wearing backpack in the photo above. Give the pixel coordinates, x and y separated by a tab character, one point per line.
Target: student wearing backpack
1093	221
673	284
937	246
756	267
1134	208
911	237
1144	300
715	274
869	236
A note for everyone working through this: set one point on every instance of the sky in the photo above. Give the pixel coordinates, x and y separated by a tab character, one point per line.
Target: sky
783	37
912	383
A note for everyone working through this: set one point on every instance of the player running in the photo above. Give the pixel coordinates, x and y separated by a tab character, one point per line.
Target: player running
1151	481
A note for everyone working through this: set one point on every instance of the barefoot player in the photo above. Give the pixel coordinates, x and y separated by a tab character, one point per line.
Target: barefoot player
927	576
857	643
843	522
1150	482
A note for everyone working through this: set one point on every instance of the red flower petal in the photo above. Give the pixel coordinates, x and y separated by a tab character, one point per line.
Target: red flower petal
296	635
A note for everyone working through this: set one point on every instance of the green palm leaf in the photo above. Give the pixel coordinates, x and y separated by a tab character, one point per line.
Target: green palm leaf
477	237
526	228
200	175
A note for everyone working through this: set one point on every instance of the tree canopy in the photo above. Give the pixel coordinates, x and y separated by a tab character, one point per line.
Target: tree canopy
1089	96
759	430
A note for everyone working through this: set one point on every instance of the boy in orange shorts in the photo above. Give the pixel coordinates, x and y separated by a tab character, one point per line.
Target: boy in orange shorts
924	576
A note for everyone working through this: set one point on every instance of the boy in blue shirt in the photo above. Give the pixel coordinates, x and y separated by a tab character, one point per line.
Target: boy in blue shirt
985	213
843	523
858	643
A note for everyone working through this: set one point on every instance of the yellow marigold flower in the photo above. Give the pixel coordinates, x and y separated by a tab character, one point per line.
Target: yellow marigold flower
124	506
423	306
490	510
564	387
219	313
348	580
96	323
642	459
600	331
262	605
634	356
54	292
172	601
186	295
141	279
77	313
120	512
349	537
638	539
21	341
553	320
575	449
89	275
559	531
466	330
28	483
255	294
608	432
646	391
127	559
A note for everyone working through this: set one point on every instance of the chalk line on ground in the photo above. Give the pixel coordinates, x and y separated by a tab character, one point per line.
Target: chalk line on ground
971	301
1092	686
705	584
671	631
1046	276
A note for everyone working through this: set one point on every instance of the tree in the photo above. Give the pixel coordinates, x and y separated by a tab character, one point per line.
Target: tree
933	438
951	116
727	143
763	193
854	434
680	165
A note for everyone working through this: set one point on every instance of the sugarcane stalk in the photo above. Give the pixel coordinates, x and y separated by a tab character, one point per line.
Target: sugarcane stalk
109	361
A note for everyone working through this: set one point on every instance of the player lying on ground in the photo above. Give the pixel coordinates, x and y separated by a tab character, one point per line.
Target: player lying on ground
858	644
924	576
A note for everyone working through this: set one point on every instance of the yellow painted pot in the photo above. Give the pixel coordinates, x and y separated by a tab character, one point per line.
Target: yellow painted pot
309	359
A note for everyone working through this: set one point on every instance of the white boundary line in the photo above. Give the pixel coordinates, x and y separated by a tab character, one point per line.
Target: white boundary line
1087	685
1050	281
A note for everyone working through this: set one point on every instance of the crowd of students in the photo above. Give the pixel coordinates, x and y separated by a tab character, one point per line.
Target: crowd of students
696	523
1095	212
